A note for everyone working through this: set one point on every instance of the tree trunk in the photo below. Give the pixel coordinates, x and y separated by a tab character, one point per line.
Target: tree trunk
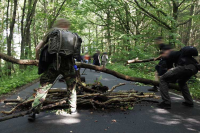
173	31
10	37
108	19
27	36
189	25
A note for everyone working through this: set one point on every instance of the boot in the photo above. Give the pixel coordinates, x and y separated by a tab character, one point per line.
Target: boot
163	105
31	117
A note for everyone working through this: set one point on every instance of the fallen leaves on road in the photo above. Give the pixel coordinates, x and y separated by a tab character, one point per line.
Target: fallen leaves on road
114	120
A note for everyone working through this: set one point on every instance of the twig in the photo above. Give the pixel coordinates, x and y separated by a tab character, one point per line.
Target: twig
120	84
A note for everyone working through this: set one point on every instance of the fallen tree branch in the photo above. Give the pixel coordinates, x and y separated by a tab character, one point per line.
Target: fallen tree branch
97	68
140	61
112	89
14	115
18	61
28	112
122	76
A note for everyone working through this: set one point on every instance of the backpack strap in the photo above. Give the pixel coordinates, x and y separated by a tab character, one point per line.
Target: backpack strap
75	45
58	58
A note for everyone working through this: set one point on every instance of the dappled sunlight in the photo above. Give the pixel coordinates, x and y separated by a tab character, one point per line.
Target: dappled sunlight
165	121
191	120
172	117
161	111
176	98
68	120
65	119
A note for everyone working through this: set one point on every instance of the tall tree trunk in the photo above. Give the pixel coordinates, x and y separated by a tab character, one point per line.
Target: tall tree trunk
189	25
10	37
127	26
172	36
108	19
27	35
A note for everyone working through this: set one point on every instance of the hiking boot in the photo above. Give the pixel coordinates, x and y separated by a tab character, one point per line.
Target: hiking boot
163	105
188	104
31	117
155	89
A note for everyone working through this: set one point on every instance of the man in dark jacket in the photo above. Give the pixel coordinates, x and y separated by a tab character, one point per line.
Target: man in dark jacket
161	68
185	68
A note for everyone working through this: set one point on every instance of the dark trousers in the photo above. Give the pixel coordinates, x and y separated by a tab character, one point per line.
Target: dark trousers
180	74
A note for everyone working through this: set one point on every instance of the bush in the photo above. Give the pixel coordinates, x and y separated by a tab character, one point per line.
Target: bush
21	77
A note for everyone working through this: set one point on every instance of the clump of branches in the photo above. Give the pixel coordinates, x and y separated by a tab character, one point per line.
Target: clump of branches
94	96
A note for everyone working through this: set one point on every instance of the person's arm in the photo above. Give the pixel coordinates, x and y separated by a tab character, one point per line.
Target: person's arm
157	57
37	49
41	44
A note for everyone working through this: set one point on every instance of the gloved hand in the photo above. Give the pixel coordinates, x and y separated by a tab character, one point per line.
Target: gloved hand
75	67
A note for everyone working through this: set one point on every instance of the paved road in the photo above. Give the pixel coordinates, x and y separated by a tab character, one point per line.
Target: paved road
142	119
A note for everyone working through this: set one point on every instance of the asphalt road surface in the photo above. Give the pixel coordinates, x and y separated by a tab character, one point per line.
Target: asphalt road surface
144	118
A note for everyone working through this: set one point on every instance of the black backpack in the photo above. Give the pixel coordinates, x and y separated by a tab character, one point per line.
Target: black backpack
189	51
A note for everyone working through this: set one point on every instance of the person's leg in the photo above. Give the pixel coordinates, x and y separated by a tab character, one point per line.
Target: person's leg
185	92
71	92
103	64
169	77
190	70
164	89
46	81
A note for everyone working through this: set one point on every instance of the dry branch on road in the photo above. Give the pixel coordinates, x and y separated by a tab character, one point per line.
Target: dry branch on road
56	97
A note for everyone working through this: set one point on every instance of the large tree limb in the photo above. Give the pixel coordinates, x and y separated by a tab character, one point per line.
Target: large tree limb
141	61
83	65
122	76
18	61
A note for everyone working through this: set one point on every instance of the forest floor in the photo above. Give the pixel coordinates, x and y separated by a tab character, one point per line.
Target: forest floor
143	118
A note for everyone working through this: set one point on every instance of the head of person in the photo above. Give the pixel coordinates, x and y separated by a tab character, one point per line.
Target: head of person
98	52
159	40
62	23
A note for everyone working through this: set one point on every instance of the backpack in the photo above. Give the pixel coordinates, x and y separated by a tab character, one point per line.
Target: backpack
187	54
189	51
63	43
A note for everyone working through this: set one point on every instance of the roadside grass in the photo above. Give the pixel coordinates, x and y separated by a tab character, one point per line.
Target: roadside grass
20	78
138	71
144	71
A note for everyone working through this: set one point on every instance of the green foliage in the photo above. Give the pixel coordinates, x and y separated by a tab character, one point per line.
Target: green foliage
18	79
139	71
143	51
194	88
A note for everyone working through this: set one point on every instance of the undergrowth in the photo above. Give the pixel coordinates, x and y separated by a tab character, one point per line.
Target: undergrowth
17	79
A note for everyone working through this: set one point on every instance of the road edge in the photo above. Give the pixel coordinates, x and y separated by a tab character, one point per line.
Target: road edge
18	89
